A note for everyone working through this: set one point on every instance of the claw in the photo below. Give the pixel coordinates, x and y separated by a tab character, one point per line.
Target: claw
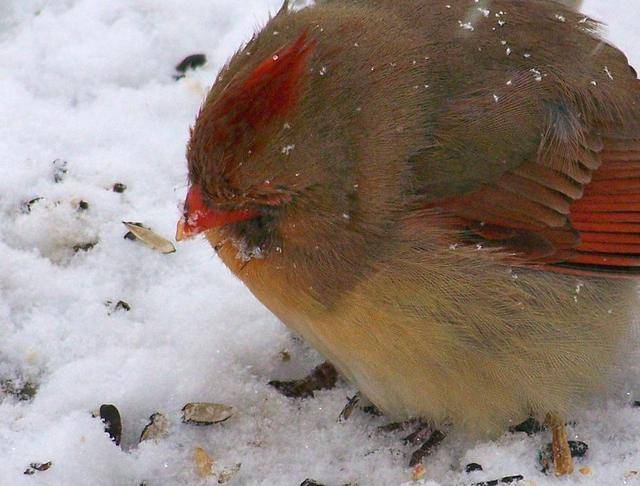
427	447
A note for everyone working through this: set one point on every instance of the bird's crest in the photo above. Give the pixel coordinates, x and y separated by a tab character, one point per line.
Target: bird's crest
268	92
273	86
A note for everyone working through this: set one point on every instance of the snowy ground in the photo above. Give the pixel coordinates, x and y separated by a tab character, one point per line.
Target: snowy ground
91	82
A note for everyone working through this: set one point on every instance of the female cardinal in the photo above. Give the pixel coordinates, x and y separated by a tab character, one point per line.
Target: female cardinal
442	197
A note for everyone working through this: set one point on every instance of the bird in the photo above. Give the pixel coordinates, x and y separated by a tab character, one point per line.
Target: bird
443	198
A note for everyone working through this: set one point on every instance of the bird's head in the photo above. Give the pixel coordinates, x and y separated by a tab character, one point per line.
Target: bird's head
290	150
243	164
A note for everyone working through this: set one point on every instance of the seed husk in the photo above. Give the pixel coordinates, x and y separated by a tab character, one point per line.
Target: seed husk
37	466
22	390
157	428
120	305
84	246
348	409
322	377
192	61
228	474
471	467
59	170
149	237
25	207
110	415
504	480
119	187
204	463
203	413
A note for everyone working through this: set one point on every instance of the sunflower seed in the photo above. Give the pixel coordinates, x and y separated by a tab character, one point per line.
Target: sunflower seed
37	466
190	62
157	428
119	187
149	238
110	415
25	207
203	413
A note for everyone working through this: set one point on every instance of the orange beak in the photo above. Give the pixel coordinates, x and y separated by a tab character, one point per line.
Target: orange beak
199	217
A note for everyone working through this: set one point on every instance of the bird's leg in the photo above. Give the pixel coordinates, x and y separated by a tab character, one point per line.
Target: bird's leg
424	436
322	377
419	435
562	460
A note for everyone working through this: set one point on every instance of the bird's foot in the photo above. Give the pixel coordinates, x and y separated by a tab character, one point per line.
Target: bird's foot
422	432
423	436
323	377
429	439
562	460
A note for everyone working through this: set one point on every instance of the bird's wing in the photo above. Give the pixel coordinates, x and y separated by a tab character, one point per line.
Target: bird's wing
572	206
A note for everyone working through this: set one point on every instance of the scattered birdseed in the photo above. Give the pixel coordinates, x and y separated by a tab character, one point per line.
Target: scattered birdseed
229	473
505	480
59	170
310	482
25	207
204	463
119	187
202	413
348	409
84	246
157	428
110	415
37	466
23	391
322	377
193	61
120	305
149	237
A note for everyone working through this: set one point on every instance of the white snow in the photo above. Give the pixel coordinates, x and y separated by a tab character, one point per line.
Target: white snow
91	82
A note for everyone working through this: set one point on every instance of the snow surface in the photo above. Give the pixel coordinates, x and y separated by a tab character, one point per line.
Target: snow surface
91	82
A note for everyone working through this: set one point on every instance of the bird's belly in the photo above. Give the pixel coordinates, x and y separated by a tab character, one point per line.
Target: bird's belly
482	359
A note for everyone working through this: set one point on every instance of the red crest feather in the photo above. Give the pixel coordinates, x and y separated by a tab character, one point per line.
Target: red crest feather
270	91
